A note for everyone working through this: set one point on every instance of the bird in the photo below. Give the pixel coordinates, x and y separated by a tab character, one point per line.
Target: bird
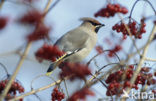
77	43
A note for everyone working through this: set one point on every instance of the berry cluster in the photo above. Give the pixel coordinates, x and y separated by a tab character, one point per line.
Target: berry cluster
117	48
134	29
81	94
48	52
35	18
41	32
15	87
99	49
74	70
111	10
116	84
3	22
32	17
57	95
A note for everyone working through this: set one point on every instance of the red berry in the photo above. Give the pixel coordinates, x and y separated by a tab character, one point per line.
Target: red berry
3	22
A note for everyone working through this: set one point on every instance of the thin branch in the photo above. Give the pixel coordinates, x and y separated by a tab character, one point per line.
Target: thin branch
150	59
100	54
5	69
98	72
39	77
18	2
7	53
53	6
108	65
104	85
135	5
37	97
65	84
16	51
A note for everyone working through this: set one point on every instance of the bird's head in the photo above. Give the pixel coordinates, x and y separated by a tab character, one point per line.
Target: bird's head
91	23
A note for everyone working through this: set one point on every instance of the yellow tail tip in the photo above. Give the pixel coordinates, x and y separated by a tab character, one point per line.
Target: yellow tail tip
48	73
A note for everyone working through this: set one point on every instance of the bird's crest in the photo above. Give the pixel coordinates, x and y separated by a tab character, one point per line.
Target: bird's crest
90	19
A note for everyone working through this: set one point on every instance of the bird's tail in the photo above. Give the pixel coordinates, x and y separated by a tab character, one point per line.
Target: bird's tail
51	68
55	64
59	60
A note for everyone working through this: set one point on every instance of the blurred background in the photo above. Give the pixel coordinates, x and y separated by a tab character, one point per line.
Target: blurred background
62	18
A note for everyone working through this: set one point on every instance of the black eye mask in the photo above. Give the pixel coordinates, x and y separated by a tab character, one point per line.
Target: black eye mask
94	24
97	29
98	26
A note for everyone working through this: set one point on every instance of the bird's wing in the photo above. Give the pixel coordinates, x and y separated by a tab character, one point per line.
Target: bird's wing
73	40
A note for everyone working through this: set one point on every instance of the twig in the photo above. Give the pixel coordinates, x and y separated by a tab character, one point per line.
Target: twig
37	97
108	65
100	54
18	2
16	51
39	77
95	62
53	6
8	53
150	59
137	2
35	94
5	69
104	86
98	72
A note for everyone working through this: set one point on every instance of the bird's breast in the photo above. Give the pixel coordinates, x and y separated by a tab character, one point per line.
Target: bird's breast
83	53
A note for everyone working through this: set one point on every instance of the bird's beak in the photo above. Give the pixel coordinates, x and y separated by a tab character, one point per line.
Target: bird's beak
102	25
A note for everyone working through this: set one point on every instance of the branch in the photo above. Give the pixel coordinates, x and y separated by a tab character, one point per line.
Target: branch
150	59
142	58
15	72
36	90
